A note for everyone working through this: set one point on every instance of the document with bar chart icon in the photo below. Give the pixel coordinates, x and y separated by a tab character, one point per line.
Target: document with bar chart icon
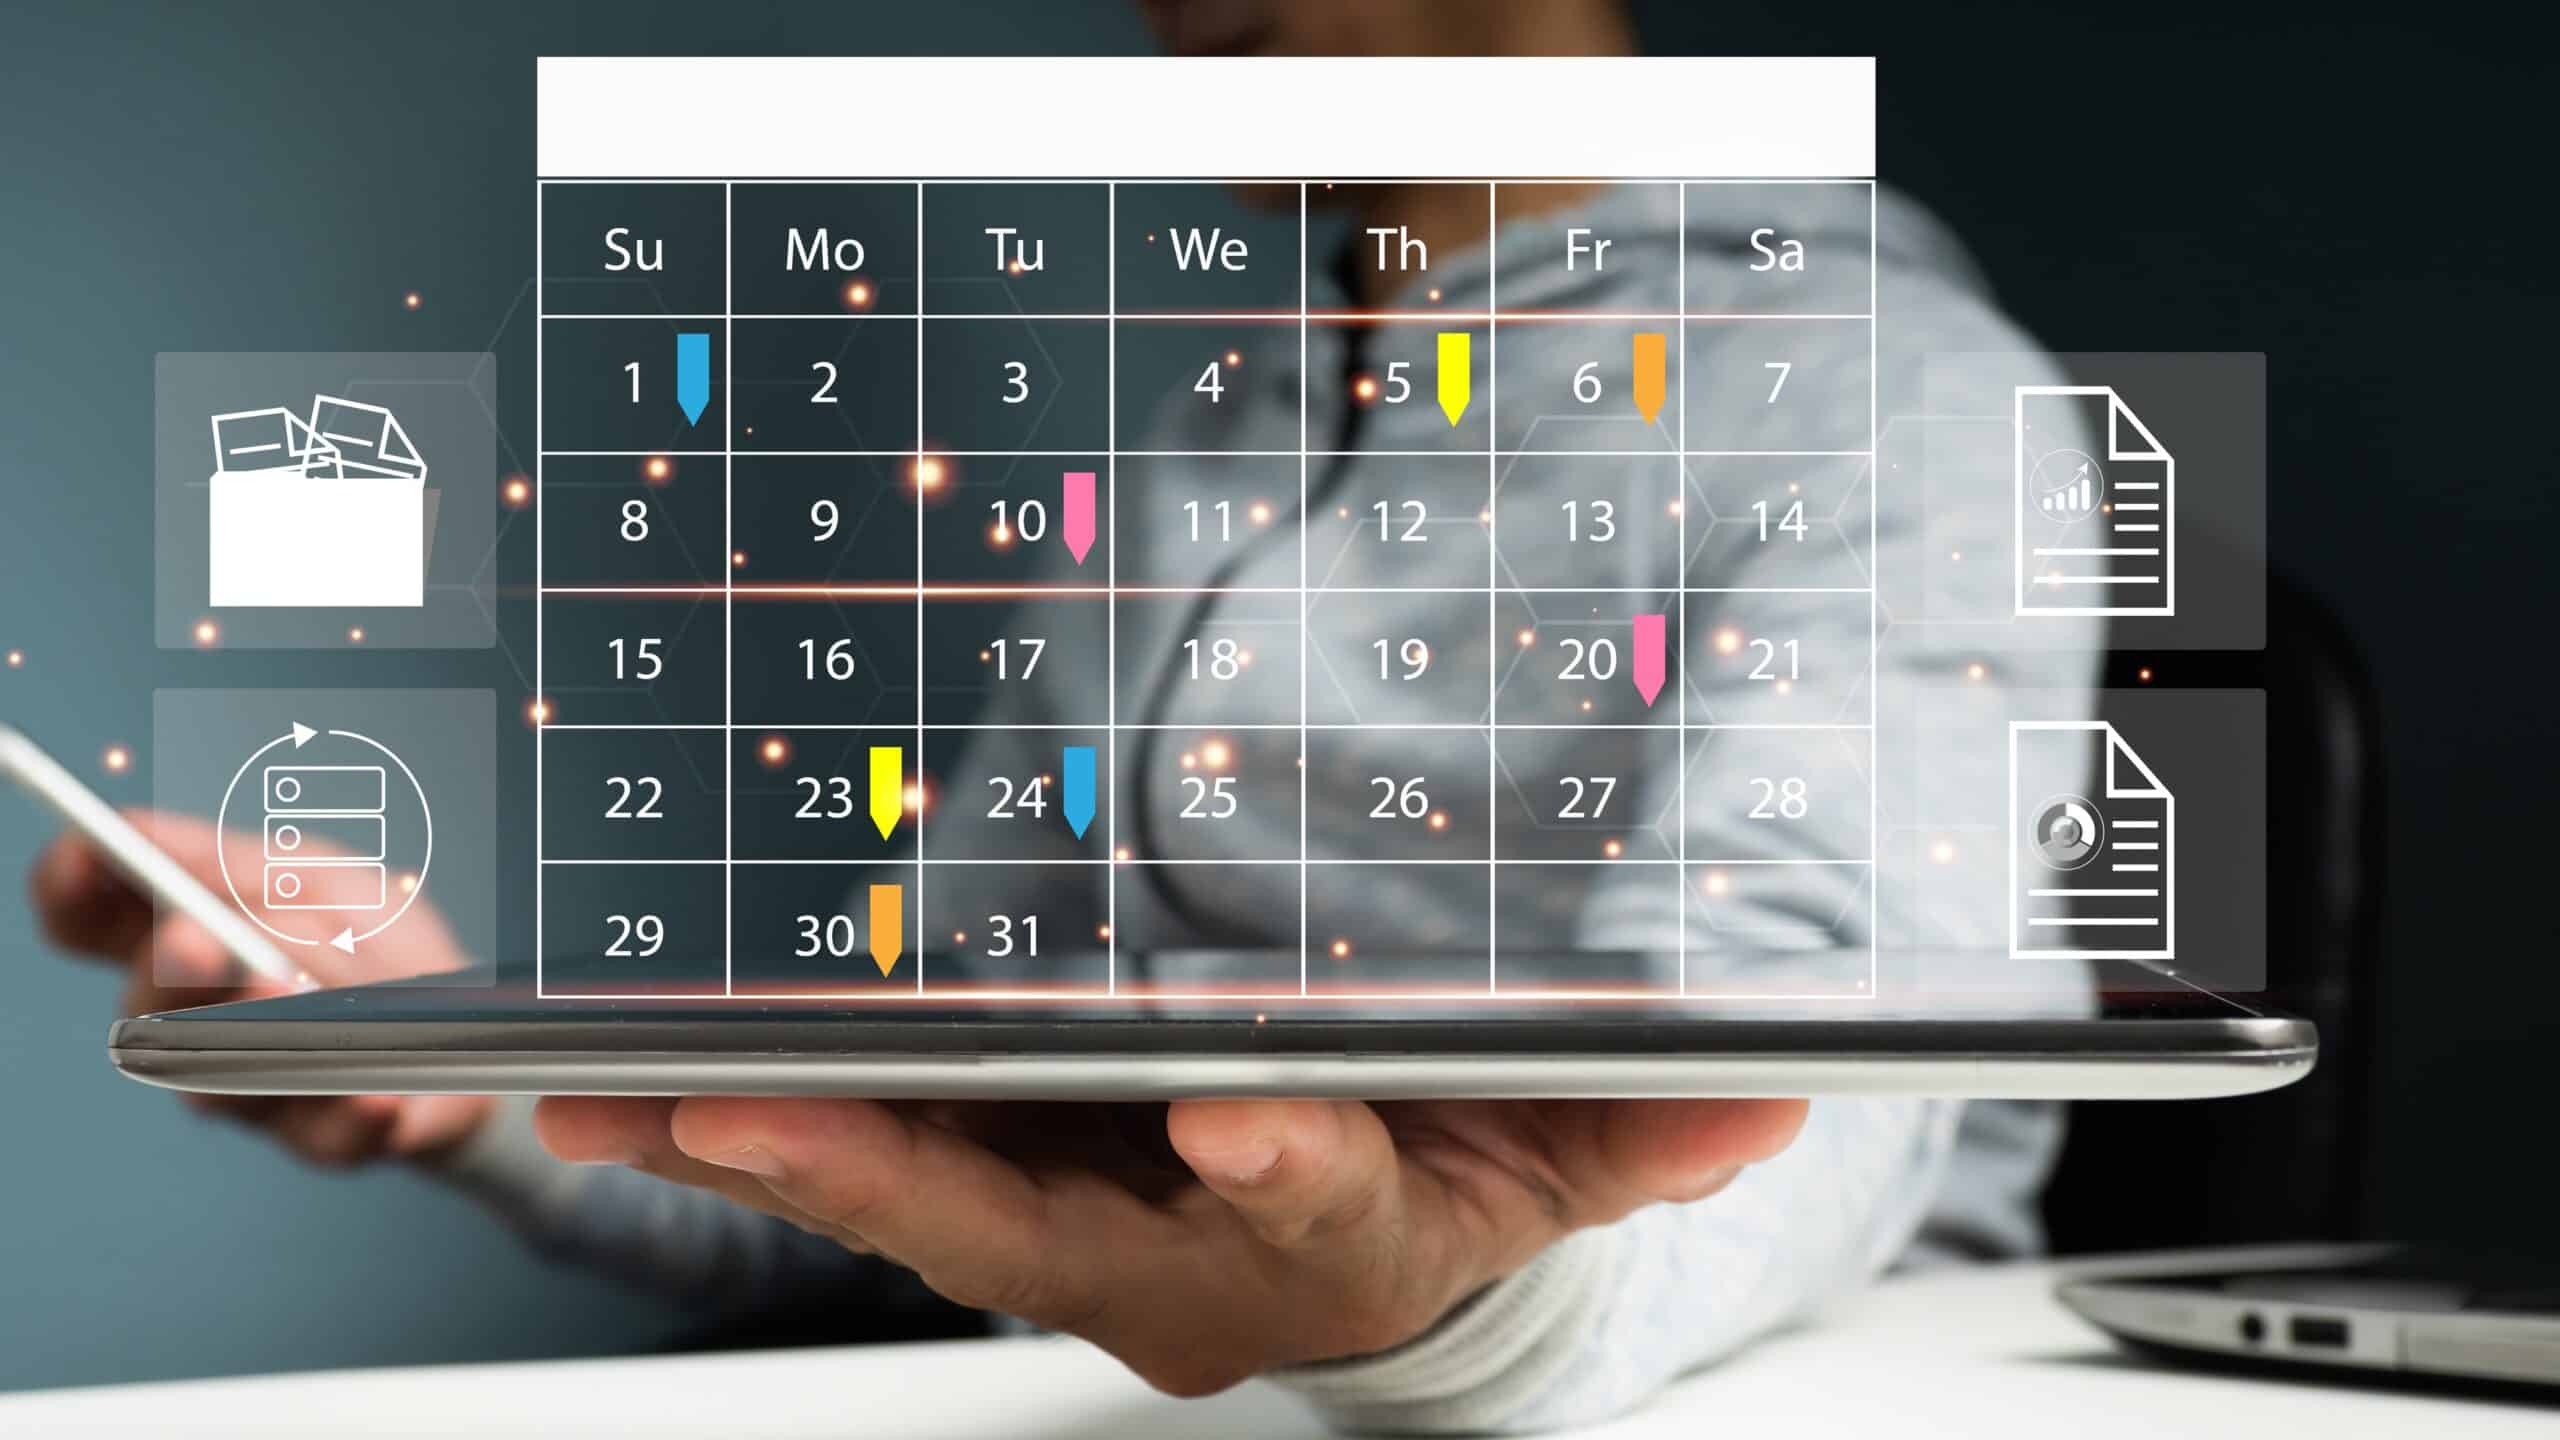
2096	532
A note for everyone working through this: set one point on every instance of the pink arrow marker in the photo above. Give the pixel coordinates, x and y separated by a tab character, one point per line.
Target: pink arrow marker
1077	525
1648	664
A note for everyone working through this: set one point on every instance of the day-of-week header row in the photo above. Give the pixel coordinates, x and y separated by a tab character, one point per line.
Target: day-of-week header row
1137	248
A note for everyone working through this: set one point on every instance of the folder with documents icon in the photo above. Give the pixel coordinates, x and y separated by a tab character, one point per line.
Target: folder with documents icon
329	511
2096	534
2090	864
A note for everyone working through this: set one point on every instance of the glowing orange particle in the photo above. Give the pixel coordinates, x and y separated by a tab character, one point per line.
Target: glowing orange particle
355	634
17	659
1973	671
775	750
1341	949
1942	852
1216	754
1439	819
1364	389
1716	882
207	632
2146	674
1234	358
412	300
657	468
537	711
1728	641
1259	513
1528	638
117	759
858	294
518	492
1613	849
737	559
929	473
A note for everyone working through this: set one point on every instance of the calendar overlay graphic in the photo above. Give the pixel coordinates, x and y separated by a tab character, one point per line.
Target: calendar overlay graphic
1098	534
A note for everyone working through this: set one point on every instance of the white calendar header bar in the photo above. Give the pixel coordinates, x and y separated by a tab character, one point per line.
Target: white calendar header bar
1228	118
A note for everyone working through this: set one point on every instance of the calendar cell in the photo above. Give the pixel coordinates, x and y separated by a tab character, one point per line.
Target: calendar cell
1579	386
1198	248
824	385
1565	522
1767	522
1587	658
1017	249
1395	794
1778	385
1757	659
1228	384
1234	662
1382	660
619	520
1189	518
1028	795
1805	248
1403	522
836	659
1016	384
1552	267
822	520
1213	794
633	249
839	795
1588	795
634	794
835	249
633	659
1612	927
1398	928
983	651
1034	931
1778	794
1016	519
633	930
633	387
810	929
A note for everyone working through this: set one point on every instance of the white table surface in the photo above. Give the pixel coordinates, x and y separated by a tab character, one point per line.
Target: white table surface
1978	1354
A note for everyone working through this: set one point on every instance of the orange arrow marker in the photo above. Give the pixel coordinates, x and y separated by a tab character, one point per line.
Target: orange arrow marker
888	926
1651	375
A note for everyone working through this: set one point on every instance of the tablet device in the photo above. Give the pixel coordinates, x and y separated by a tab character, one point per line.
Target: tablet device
2137	1043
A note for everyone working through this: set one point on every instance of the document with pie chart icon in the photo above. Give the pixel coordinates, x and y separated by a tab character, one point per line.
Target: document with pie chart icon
2090	848
2096	502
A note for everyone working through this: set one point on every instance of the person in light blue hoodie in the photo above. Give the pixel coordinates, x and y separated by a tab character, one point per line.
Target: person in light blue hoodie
1430	1267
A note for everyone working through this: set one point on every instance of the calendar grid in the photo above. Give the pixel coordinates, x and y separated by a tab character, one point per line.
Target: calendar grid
861	597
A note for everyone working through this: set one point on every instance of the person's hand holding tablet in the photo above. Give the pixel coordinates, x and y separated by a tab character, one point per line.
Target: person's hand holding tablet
1241	1236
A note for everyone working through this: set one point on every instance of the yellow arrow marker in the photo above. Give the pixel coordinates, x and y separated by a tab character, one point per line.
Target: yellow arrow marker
888	787
1650	375
1455	382
888	924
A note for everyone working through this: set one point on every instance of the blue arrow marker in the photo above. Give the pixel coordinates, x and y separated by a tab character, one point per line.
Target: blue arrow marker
1077	772
693	372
